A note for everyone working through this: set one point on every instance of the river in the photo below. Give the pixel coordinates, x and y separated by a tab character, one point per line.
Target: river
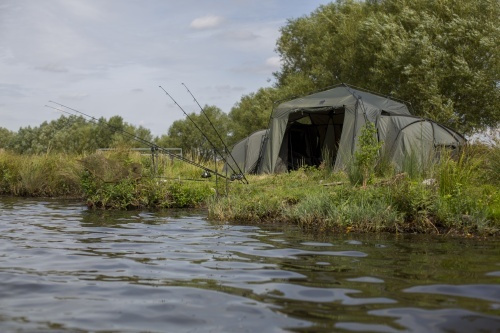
64	268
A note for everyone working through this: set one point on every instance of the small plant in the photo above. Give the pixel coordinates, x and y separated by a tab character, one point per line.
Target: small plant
365	156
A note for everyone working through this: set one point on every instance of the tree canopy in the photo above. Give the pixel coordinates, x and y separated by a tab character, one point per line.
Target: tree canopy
74	134
441	56
195	134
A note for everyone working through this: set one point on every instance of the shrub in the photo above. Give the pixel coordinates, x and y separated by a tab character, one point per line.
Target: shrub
362	168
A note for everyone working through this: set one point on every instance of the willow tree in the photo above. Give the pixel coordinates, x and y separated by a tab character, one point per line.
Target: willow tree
441	56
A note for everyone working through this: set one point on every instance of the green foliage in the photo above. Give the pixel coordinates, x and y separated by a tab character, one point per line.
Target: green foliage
124	180
74	135
10	178
39	175
6	137
415	200
454	173
184	195
442	56
148	193
492	164
362	167
193	138
252	113
453	201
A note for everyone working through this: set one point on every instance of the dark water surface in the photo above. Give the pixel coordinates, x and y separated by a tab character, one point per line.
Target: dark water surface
64	268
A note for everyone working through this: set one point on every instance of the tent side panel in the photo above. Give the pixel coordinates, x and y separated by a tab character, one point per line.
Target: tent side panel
238	153
253	151
347	139
273	144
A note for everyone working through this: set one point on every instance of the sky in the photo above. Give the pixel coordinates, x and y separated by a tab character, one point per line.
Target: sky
109	57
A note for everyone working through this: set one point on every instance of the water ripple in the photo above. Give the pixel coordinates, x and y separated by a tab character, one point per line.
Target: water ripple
64	268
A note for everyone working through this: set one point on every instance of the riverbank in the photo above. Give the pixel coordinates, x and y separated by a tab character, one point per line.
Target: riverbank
456	196
330	203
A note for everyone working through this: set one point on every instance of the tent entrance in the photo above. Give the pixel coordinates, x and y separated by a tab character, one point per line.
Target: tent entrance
310	136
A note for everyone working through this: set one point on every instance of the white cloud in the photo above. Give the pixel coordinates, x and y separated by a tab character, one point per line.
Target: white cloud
206	22
273	63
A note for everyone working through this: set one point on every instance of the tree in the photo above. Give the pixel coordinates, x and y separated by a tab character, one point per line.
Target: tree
252	113
442	56
6	137
199	138
74	134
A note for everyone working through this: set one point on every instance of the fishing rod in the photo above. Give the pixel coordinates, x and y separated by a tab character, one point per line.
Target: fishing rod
241	174
207	172
232	177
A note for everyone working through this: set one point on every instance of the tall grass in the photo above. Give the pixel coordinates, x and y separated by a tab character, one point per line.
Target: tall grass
39	175
459	194
448	197
161	183
464	197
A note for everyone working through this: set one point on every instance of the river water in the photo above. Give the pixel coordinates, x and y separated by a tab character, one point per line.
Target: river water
64	268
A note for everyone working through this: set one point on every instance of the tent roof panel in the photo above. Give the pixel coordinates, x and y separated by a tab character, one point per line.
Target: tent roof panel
339	97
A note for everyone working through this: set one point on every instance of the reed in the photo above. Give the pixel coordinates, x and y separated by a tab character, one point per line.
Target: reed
40	175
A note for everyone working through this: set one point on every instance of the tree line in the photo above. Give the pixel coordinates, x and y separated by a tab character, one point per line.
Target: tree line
442	57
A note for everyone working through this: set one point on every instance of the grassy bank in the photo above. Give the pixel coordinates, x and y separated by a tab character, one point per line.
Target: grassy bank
119	179
459	195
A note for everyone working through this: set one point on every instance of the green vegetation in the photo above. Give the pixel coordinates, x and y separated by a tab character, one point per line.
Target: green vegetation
73	135
363	165
457	195
128	180
41	175
119	179
442	56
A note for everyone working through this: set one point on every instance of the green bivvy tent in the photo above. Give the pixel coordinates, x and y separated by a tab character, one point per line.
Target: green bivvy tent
246	153
303	130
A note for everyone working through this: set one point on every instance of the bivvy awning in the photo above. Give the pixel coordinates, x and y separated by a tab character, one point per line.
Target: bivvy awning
303	131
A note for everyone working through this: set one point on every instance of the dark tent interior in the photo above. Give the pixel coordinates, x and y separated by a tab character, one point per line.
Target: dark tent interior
310	135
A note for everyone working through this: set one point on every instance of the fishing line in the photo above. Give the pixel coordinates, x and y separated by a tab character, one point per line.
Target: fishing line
208	140
220	138
153	146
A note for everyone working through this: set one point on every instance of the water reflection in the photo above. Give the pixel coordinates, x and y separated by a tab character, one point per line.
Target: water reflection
420	320
67	268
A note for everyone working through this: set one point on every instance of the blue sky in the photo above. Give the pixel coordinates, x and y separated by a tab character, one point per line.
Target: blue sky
108	57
